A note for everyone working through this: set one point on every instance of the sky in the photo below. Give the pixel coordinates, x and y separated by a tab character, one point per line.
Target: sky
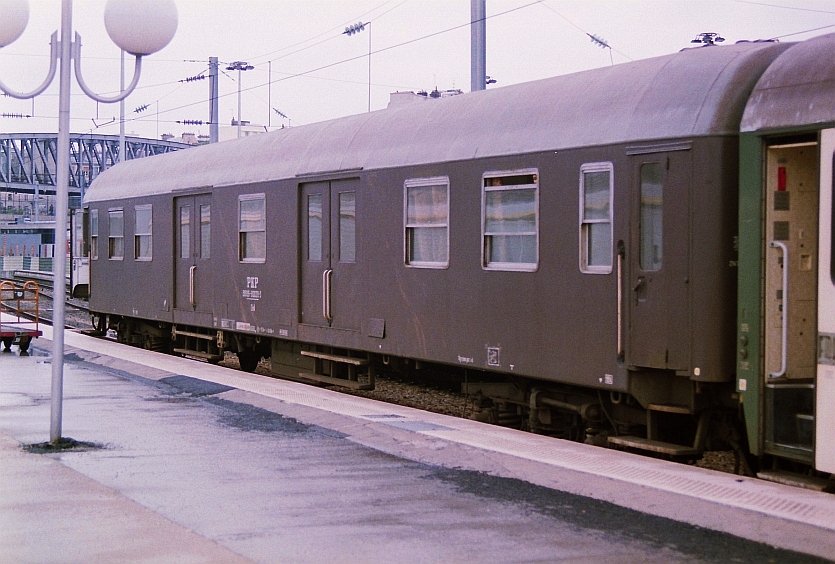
309	71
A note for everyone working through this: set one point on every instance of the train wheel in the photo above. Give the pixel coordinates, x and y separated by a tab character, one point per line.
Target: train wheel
99	322
248	360
154	343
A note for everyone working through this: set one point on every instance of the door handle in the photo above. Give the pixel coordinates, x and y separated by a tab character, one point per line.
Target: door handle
327	277
641	281
191	295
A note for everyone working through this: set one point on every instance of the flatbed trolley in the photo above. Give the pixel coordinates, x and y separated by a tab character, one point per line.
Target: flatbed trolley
19	314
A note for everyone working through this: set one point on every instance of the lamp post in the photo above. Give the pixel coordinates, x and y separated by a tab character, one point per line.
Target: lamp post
354	29
140	28
239	66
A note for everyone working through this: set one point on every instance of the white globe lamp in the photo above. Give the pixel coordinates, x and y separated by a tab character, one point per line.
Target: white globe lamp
140	27
14	15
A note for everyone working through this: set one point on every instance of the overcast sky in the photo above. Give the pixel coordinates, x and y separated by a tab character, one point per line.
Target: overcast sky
318	73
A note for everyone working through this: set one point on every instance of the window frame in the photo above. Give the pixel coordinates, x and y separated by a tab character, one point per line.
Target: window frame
94	234
347	243
408	228
112	238
241	237
184	232
137	235
486	238
651	225
585	224
204	230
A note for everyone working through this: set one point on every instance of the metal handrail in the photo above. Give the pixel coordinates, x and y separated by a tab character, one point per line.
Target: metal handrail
785	308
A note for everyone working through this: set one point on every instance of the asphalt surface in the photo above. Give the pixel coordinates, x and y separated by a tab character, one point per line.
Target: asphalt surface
181	469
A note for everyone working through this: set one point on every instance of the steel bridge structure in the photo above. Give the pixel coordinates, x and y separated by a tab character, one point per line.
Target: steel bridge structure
28	160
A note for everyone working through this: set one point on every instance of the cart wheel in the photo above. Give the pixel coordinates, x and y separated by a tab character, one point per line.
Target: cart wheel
24	344
7	344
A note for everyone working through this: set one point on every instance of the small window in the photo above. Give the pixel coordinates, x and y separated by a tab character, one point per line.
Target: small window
252	228
94	234
116	234
314	228
651	220
510	221
427	222
142	239
596	218
205	231
347	227
185	232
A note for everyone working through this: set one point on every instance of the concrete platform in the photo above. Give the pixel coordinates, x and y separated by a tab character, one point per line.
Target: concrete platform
190	455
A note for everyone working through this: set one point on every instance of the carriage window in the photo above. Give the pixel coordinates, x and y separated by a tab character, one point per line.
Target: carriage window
94	234
252	228
511	221
185	232
205	231
347	227
142	241
116	234
651	221
427	222
596	218
314	227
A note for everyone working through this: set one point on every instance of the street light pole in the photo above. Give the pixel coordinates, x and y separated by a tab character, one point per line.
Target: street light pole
121	18
239	66
354	29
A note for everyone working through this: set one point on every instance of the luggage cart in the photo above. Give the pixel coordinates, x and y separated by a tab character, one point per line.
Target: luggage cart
19	314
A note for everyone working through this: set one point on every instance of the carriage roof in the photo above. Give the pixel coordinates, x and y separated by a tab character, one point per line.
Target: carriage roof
695	92
797	89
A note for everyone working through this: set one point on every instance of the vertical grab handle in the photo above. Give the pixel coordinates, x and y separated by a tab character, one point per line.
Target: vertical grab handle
327	276
621	254
785	306
191	296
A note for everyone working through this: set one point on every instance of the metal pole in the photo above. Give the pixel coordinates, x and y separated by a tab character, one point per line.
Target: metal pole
356	28
121	111
59	263
239	103
478	45
213	112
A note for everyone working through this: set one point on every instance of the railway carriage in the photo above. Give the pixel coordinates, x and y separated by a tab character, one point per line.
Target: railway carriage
786	319
568	247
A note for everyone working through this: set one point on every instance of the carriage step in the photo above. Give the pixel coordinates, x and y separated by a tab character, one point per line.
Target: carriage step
798	480
204	336
336	358
670	408
362	383
659	447
199	354
354	380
